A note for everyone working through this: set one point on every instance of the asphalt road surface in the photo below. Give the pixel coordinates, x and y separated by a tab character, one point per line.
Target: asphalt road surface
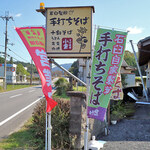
16	107
131	133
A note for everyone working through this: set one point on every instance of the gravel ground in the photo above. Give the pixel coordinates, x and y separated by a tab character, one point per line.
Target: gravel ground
131	133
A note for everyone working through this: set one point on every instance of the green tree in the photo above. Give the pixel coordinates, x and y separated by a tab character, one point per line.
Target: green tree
21	70
2	60
74	68
28	65
130	60
33	68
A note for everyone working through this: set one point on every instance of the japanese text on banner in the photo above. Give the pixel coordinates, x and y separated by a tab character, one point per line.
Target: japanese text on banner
107	60
34	40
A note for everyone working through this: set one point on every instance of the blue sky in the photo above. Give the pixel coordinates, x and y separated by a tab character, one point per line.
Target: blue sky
125	15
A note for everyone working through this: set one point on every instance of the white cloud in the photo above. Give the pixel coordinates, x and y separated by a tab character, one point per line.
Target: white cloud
18	15
134	30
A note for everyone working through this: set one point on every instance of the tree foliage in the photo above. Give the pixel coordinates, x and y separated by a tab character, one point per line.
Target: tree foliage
130	60
21	70
28	65
2	60
75	68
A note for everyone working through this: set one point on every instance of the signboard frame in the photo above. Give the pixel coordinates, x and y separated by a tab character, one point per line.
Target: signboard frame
74	53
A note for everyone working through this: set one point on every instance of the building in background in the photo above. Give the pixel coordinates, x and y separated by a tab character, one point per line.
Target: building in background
10	72
125	69
128	71
11	75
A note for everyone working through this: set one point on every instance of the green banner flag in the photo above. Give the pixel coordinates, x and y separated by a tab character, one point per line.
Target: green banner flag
107	60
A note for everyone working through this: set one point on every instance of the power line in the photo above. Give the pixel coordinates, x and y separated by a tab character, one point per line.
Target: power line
4	54
14	53
10	56
17	54
14	35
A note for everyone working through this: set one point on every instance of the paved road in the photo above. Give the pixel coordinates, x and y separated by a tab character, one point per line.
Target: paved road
16	107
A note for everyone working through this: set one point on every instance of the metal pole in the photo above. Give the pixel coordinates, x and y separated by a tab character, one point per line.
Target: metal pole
52	60
49	131
87	96
49	123
139	69
46	129
31	71
93	41
47	136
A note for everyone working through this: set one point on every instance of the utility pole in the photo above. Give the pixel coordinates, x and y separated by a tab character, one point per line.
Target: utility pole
6	18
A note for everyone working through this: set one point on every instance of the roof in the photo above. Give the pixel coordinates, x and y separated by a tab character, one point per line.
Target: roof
144	51
82	62
127	67
124	64
44	10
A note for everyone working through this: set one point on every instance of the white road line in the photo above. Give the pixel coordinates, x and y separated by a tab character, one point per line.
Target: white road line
31	91
15	95
17	113
17	90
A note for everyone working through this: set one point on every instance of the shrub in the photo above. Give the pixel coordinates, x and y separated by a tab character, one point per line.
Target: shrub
38	124
60	125
120	110
62	86
123	80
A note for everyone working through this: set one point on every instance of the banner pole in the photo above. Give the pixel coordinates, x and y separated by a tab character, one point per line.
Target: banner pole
46	129
49	131
49	121
87	95
139	70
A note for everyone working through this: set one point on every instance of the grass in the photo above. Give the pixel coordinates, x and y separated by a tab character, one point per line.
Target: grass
14	87
80	88
21	140
25	139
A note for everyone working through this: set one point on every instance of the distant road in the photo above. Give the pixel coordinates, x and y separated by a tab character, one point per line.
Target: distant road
16	107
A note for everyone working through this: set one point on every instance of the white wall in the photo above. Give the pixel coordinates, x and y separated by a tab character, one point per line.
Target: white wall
10	76
130	80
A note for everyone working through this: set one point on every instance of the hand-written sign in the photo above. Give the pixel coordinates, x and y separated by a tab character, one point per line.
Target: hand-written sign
106	64
69	32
